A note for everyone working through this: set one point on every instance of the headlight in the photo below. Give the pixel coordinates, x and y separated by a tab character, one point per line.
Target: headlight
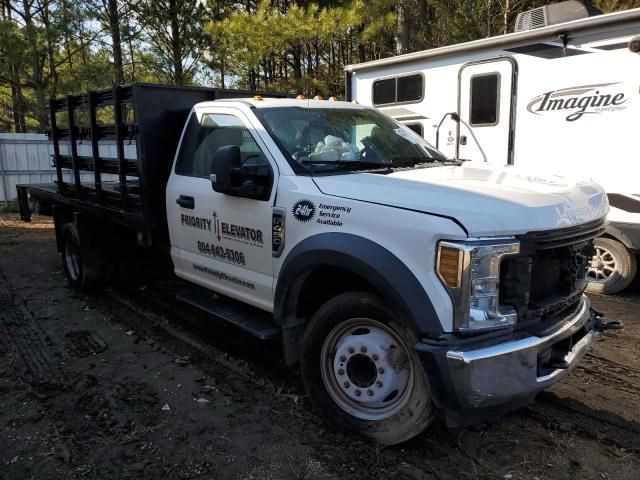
470	271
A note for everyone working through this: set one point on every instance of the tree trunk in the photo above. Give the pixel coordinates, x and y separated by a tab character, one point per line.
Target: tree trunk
222	72
489	2
17	101
506	16
296	52
131	52
316	51
252	79
402	36
53	73
176	44
114	26
36	79
17	104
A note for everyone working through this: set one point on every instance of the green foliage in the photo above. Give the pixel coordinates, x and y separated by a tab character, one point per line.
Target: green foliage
174	35
55	47
302	47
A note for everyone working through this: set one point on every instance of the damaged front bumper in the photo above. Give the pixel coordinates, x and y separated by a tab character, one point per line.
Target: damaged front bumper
472	381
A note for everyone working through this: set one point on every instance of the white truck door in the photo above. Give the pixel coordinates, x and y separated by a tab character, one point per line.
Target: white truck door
485	109
222	242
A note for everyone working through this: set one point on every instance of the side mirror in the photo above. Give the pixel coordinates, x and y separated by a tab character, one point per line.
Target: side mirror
225	167
230	177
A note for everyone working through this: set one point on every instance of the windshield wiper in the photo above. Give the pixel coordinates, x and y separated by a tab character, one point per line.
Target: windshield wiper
354	163
414	161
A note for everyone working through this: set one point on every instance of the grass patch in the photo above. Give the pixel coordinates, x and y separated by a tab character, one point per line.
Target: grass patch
10	207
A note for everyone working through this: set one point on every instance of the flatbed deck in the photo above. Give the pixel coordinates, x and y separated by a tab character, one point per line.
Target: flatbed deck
48	193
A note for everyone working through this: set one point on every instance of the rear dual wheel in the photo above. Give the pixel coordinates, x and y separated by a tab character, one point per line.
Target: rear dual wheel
80	275
361	371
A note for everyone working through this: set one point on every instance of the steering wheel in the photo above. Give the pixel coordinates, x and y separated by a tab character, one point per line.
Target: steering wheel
369	152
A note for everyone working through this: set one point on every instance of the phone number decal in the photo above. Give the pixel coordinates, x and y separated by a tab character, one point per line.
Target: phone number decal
227	254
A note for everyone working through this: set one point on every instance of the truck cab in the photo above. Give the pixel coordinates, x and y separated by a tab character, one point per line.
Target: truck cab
401	281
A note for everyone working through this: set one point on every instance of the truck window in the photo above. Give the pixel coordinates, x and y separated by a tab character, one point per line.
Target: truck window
485	100
332	140
205	136
402	89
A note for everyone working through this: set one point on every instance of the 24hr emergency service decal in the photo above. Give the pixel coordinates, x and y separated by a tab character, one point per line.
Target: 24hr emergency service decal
575	102
327	214
304	210
236	233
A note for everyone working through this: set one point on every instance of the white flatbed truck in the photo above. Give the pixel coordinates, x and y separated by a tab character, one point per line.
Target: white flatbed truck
403	283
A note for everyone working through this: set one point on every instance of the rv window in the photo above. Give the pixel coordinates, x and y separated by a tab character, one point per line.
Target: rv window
416	127
485	100
384	91
409	88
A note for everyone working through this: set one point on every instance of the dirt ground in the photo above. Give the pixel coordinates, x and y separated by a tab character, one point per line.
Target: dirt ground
131	384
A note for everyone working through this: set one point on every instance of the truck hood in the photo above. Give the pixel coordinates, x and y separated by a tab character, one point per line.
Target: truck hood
487	201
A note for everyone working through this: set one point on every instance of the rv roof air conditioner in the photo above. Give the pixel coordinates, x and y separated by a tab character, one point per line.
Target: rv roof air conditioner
554	14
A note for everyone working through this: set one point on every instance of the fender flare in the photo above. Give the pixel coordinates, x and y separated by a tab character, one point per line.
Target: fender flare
626	233
389	275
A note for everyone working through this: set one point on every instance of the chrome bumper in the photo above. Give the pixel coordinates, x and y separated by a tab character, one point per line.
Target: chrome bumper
507	372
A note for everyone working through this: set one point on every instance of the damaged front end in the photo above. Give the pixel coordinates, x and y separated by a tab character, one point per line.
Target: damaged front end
475	377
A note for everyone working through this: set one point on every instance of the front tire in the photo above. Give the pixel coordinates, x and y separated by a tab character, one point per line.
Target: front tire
361	372
612	267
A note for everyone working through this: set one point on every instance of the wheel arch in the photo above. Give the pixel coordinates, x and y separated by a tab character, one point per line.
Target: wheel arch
332	263
629	237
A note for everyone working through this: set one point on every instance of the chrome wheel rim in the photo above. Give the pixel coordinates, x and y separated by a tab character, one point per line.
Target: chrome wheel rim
367	369
72	258
602	265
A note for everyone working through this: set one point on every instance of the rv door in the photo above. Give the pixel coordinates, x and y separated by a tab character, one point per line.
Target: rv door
485	107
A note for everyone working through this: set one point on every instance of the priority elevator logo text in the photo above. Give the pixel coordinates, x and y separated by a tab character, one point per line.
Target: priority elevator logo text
579	101
223	230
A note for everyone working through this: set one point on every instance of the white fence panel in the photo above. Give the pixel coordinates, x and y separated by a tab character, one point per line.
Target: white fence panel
25	158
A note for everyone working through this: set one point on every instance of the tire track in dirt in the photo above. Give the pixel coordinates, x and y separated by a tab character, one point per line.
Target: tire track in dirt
610	375
565	414
21	334
158	316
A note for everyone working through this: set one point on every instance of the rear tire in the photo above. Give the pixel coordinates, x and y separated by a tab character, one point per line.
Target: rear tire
612	267
361	371
80	276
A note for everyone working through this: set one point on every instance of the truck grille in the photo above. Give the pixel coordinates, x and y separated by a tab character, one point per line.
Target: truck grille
549	274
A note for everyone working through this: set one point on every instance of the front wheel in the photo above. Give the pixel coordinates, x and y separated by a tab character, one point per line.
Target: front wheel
612	267
361	371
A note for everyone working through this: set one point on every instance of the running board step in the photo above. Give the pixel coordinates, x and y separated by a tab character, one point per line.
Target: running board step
253	320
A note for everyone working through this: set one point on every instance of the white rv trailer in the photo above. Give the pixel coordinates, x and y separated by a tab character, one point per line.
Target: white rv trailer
555	96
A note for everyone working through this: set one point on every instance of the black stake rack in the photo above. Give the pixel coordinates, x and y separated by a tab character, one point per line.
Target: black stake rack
150	115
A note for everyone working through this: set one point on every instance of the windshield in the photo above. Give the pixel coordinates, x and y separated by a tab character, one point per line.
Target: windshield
337	139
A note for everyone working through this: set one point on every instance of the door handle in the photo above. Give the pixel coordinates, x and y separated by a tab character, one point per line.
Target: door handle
186	202
463	139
